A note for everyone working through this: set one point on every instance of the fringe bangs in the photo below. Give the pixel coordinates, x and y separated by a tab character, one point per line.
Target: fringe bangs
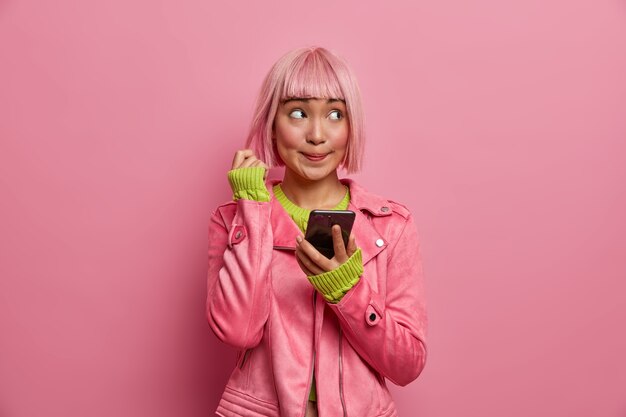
311	77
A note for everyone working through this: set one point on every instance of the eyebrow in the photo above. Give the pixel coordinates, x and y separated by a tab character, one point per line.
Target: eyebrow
306	100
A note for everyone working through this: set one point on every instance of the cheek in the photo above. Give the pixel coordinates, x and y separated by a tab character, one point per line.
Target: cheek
284	144
341	138
280	151
286	137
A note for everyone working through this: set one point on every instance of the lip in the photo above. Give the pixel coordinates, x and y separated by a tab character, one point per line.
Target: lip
315	156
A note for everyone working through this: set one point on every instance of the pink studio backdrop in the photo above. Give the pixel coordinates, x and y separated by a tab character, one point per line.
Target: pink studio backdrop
500	124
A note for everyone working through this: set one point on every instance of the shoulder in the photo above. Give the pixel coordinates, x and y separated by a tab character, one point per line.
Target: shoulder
400	209
376	205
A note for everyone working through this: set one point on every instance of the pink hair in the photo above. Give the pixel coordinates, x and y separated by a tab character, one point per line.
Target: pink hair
310	72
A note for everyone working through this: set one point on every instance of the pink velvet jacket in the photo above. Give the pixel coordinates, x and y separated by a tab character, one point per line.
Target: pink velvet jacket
260	302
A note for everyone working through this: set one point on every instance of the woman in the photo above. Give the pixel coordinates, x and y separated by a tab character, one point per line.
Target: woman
314	335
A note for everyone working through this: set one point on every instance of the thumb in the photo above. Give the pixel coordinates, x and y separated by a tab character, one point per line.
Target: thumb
351	246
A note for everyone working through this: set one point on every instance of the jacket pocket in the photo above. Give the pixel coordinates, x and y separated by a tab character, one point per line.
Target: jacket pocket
235	402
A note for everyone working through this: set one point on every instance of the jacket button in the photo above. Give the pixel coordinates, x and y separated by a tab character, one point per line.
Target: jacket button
238	234
380	243
372	316
384	209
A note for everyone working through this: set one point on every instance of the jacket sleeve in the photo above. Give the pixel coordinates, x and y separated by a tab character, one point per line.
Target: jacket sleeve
389	333
240	251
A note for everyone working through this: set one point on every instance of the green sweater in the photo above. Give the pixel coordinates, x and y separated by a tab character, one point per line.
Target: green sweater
248	183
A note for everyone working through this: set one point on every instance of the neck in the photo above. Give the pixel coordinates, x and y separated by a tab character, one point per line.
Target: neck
307	194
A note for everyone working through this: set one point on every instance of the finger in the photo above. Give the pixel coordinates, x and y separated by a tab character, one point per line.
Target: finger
338	245
317	260
304	268
240	156
248	162
307	262
310	267
260	164
351	245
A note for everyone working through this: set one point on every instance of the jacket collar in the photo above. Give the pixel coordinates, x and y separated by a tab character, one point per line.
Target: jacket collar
363	203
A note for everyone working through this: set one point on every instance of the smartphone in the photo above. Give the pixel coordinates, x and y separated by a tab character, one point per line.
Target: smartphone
319	232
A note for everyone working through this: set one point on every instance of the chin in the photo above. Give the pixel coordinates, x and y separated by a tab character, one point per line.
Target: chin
316	175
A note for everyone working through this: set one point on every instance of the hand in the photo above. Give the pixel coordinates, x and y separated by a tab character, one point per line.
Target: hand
246	158
312	262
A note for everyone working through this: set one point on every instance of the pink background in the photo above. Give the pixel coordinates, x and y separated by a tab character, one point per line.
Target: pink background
501	124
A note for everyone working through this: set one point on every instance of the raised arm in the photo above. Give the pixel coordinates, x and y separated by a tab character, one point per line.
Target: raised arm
240	252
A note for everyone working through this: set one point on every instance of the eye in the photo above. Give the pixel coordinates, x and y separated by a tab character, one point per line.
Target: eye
336	115
297	114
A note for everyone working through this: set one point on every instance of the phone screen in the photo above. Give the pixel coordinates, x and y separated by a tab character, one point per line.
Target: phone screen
319	233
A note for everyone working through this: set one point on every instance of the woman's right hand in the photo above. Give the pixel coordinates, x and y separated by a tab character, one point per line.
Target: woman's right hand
247	177
246	158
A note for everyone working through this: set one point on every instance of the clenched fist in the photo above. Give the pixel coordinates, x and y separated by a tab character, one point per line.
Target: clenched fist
246	158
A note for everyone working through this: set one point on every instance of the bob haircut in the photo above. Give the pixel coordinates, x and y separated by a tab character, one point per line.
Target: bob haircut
310	72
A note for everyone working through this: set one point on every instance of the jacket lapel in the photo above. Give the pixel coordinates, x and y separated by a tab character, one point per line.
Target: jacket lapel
365	205
365	235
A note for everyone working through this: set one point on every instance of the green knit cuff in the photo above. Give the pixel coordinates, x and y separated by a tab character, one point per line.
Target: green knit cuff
248	183
334	284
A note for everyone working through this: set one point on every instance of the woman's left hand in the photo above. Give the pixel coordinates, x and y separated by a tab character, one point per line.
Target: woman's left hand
312	262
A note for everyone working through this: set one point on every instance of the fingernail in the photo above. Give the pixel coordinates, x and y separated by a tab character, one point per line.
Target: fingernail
298	239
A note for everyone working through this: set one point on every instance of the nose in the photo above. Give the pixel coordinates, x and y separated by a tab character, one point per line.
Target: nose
315	135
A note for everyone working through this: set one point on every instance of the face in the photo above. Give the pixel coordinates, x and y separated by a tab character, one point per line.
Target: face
311	136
